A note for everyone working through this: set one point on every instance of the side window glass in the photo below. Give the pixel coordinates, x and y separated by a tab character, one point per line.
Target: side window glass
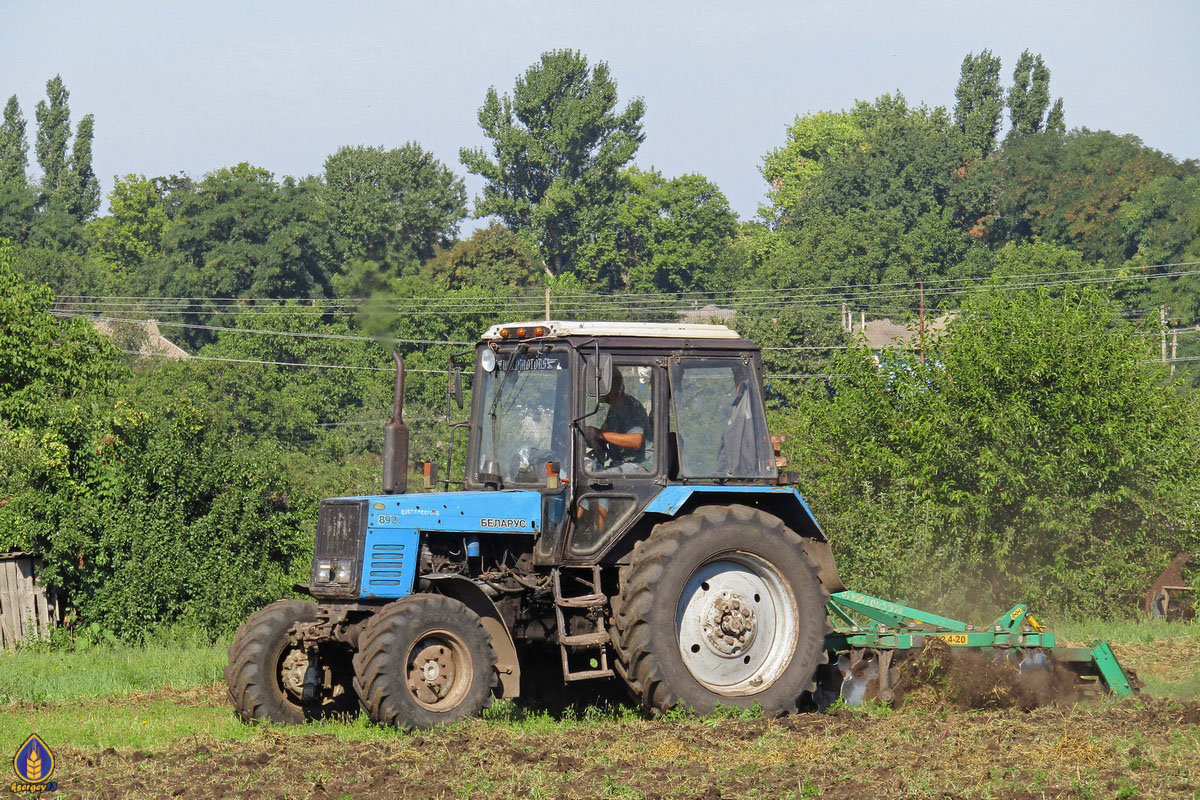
717	418
596	517
620	436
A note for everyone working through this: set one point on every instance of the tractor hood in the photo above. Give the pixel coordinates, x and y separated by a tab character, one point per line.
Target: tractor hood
509	511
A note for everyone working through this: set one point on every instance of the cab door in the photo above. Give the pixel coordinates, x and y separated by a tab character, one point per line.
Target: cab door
614	482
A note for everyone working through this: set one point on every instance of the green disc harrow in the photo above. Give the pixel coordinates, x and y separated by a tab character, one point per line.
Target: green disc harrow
869	635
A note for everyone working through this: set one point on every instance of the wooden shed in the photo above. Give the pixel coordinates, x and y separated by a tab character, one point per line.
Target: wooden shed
28	610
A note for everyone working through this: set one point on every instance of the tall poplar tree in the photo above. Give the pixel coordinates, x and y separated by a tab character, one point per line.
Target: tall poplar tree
1029	97
54	131
79	190
14	148
17	199
979	100
559	144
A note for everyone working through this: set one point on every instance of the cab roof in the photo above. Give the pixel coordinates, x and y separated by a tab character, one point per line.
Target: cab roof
642	330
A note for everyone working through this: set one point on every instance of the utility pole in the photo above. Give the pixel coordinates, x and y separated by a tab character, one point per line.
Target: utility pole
1162	326
547	304
847	326
1174	348
921	335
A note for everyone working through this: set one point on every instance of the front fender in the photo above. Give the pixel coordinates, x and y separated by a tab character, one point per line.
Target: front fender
467	592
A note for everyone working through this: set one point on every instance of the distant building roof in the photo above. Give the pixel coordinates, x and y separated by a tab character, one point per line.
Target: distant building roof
881	333
141	335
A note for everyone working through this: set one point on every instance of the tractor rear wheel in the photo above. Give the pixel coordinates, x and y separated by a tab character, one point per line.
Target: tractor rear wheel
720	607
266	670
424	660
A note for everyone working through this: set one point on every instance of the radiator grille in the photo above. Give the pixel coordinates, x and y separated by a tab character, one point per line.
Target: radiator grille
340	528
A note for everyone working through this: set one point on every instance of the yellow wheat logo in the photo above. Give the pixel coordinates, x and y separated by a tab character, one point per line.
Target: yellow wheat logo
33	762
33	767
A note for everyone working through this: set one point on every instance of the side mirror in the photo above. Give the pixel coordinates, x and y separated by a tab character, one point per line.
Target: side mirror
598	377
455	389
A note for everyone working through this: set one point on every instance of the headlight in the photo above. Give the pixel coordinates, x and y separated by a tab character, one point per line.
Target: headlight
323	569
342	573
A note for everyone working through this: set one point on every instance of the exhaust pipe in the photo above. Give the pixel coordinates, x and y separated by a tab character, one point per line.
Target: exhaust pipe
395	438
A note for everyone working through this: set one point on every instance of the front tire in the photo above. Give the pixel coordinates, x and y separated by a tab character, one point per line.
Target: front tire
720	607
424	660
265	673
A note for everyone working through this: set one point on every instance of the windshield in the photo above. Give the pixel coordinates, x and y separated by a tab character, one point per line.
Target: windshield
523	416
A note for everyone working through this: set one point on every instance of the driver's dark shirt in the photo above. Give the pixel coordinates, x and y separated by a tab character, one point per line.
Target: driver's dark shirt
627	416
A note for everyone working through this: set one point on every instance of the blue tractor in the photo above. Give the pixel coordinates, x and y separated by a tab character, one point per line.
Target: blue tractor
621	515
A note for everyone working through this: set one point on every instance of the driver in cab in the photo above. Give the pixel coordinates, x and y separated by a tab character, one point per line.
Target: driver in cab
624	435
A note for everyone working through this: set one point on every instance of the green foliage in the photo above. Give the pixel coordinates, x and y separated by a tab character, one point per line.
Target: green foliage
54	131
392	206
558	146
670	233
812	140
492	258
142	514
239	233
1029	98
1104	195
979	101
130	237
14	148
1033	454
80	192
44	360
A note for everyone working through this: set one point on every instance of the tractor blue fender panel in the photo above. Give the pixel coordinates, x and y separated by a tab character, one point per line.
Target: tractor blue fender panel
469	593
389	562
784	501
510	511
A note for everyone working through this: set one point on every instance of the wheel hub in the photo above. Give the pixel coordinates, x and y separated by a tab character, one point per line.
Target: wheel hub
729	623
736	623
291	672
432	673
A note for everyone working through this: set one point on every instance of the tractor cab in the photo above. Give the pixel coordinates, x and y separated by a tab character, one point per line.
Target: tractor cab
599	417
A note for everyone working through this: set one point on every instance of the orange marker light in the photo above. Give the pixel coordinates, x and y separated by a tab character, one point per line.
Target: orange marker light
504	333
539	331
520	333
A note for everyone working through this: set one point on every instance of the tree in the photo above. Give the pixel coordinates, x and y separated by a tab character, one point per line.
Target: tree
130	237
670	233
493	258
979	101
53	134
1034	453
1029	97
559	146
239	233
392	206
17	199
14	149
80	190
812	141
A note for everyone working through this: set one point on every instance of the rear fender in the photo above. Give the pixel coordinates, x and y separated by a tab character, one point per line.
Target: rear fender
780	501
469	594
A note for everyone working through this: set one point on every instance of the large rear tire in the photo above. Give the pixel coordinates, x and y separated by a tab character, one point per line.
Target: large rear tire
720	607
424	660
265	673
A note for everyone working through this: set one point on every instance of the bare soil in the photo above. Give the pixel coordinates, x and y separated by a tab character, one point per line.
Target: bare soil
1145	748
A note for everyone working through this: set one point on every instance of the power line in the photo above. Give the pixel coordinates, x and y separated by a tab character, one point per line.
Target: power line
573	296
283	363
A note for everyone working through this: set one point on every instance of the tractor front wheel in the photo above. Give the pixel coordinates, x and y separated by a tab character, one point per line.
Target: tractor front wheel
266	670
720	607
424	660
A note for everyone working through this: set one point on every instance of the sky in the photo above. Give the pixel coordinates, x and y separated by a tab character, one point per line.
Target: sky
191	87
